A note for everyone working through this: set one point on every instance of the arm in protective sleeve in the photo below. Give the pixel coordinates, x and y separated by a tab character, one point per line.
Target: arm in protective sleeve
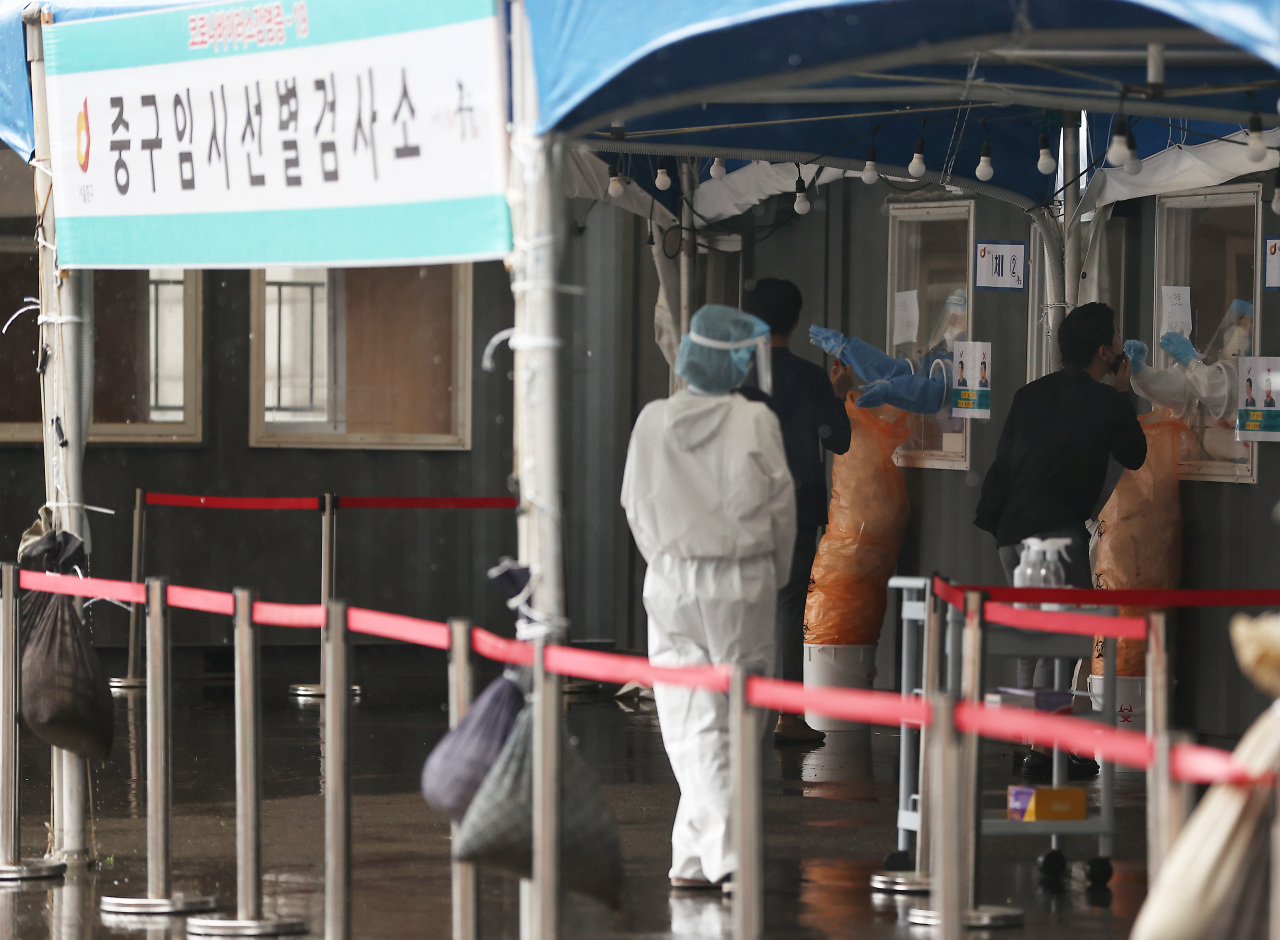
913	393
782	494
870	363
1167	388
1215	384
995	486
1128	444
629	496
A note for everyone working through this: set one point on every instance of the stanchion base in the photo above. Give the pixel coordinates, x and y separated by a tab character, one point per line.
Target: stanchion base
124	682
314	691
984	915
178	904
900	882
33	868
227	927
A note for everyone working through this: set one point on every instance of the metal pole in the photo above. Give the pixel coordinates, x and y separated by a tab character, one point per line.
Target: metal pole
745	810
1158	779
465	907
1107	774
131	678
688	246
337	796
1070	200
908	740
947	897
248	921
546	803
329	507
12	867
160	899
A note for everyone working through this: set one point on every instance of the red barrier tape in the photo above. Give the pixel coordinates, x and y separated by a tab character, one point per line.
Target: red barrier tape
1117	746
232	502
865	705
427	502
398	627
621	669
1196	763
1122	628
124	591
211	602
953	594
491	646
288	615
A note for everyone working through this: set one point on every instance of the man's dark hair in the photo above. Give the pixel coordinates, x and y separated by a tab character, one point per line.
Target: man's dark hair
776	302
1085	329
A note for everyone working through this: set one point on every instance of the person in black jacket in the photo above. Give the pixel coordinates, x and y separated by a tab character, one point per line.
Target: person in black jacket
810	407
1051	463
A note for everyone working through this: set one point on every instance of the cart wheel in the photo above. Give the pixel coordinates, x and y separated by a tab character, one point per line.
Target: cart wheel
898	861
1053	864
1098	871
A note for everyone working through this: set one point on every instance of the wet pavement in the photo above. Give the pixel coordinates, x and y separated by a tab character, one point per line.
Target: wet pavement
829	815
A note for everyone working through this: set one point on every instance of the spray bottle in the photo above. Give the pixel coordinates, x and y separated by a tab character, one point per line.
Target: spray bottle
1052	573
1029	564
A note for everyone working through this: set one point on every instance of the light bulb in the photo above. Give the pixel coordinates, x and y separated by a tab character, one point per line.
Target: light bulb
802	199
1133	165
615	184
662	180
984	171
1118	152
916	166
1275	202
1046	164
717	168
869	173
1256	150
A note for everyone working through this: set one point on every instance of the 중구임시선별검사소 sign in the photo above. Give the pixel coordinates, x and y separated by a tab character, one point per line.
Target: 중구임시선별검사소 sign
302	132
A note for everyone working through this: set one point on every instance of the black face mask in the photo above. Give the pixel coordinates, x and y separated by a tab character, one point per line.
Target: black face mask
1118	362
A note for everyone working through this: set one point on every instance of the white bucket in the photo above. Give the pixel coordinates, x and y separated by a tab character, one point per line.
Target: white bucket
1131	705
841	666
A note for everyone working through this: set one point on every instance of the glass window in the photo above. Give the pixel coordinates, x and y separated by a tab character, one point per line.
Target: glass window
362	357
931	262
1209	242
146	383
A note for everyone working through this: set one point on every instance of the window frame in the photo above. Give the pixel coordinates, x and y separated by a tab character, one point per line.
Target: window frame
188	431
262	433
1225	196
940	210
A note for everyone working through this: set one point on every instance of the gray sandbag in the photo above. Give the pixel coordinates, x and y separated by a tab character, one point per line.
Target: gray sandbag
458	764
498	827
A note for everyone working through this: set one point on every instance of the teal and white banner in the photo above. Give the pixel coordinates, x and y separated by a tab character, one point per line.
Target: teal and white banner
1257	414
303	133
971	391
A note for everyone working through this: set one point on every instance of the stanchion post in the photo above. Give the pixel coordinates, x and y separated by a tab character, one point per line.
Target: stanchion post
12	867
337	795
132	678
465	907
328	527
248	921
947	882
745	809
160	899
1168	800
544	923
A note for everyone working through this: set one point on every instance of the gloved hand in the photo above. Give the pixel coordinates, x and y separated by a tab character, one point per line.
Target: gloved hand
1136	350
874	395
870	363
913	393
832	342
1179	347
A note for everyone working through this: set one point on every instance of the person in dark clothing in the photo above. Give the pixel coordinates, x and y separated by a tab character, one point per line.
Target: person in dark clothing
810	407
1051	463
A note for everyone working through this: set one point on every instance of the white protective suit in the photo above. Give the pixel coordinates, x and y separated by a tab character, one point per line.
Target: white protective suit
1180	388
711	505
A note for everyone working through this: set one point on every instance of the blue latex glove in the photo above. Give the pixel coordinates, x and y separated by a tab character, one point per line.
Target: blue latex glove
1179	347
912	393
874	395
869	363
1136	350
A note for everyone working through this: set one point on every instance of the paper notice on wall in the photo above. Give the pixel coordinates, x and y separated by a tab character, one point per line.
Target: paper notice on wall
1271	252
1177	310
906	317
1257	414
971	388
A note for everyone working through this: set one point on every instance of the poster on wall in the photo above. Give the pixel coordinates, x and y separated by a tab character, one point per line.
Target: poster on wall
906	317
1176	307
1271	264
1258	416
971	393
1000	266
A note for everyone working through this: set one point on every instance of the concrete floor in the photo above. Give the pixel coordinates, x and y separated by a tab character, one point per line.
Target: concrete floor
828	814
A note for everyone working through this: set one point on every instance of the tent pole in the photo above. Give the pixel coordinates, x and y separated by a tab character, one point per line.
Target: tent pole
66	333
1070	200
688	242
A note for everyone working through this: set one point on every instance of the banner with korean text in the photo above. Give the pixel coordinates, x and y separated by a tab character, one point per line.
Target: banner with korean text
295	133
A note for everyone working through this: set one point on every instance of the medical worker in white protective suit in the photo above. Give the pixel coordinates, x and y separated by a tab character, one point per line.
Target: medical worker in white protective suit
712	508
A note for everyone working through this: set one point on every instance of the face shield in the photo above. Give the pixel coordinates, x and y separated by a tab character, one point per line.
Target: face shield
715	355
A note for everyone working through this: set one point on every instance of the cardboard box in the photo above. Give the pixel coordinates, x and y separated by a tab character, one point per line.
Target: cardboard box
1032	804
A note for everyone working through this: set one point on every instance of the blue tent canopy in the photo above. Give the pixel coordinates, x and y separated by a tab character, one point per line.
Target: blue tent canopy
817	77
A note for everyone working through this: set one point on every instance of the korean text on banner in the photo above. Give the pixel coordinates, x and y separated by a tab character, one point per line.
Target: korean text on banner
1000	266
283	133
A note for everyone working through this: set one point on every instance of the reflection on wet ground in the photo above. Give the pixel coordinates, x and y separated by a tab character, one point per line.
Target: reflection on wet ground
829	815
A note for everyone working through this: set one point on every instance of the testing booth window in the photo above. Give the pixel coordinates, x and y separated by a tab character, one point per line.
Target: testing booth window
931	283
374	358
146	351
1208	242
